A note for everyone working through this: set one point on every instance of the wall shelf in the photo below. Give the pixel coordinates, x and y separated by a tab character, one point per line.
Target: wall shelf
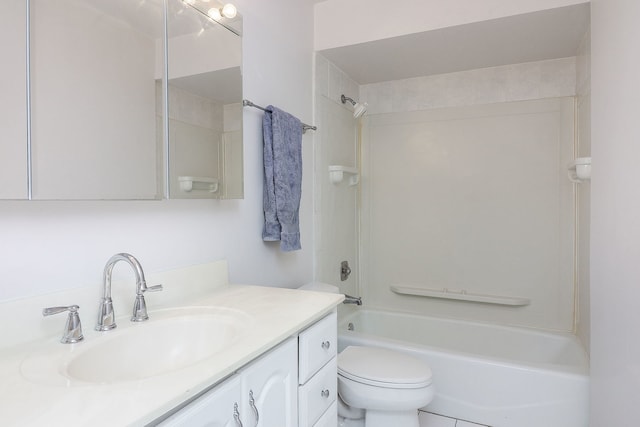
579	170
198	183
337	174
461	295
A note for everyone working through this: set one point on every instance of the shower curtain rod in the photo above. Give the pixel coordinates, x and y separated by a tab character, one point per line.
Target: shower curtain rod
247	103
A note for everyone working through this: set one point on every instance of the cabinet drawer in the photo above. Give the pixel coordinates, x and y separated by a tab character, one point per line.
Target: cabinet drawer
317	345
318	394
329	418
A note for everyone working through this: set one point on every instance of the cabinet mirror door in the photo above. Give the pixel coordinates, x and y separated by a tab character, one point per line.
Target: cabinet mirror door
13	101
95	69
204	101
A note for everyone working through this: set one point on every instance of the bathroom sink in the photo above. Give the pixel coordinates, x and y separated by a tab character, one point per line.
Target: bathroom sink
171	340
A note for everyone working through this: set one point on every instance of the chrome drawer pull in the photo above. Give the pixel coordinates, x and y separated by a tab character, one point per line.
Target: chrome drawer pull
326	345
236	415
252	403
324	393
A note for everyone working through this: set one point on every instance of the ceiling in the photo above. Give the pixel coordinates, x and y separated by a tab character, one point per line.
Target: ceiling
223	86
548	34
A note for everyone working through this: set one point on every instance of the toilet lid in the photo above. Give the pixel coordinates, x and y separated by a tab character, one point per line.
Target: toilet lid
382	367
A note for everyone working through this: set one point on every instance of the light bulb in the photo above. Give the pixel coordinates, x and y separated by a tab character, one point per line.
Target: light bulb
229	11
214	14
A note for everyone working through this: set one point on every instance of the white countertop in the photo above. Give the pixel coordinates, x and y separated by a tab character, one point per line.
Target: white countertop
27	399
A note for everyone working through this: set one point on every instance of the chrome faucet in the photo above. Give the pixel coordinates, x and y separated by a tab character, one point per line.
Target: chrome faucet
106	318
348	299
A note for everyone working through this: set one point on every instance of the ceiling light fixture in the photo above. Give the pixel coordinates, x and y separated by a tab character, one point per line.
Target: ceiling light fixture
227	11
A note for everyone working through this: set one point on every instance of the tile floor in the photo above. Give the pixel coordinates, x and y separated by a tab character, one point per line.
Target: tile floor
428	419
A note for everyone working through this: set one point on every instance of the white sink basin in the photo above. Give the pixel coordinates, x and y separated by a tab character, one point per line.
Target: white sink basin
169	341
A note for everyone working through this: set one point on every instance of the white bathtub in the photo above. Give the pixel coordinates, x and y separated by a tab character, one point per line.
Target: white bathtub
488	374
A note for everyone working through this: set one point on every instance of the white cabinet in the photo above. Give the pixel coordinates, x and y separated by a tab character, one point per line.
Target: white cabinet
271	391
263	394
318	376
270	387
317	346
93	99
216	408
13	101
330	417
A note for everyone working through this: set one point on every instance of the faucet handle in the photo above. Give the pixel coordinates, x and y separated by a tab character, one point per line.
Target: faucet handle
60	309
140	305
154	288
73	328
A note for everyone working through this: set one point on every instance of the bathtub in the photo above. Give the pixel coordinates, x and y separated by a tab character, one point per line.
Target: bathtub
488	374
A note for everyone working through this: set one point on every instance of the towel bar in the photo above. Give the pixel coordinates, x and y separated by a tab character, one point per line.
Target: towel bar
247	103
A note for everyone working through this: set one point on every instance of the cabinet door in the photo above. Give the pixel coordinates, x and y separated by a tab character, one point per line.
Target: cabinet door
94	79
214	409
13	99
269	387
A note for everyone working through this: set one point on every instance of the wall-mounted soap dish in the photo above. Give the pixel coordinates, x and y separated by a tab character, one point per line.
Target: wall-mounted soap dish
337	174
201	183
579	170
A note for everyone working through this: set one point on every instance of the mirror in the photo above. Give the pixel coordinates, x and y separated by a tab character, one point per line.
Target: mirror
13	108
94	68
204	101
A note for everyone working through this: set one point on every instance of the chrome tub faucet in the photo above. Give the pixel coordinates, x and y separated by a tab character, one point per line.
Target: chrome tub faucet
106	318
348	299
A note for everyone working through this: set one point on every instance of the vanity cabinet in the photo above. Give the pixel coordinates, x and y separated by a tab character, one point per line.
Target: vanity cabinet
216	408
294	384
269	387
262	394
318	374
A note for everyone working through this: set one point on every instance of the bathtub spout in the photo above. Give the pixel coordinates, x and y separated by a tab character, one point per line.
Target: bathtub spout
348	299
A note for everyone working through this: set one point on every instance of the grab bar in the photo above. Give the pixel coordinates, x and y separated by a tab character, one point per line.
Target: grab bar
461	295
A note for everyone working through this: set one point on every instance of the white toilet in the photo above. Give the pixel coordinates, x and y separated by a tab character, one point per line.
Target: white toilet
385	387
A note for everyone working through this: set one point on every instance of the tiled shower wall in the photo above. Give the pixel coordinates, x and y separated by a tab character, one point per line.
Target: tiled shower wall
426	184
335	205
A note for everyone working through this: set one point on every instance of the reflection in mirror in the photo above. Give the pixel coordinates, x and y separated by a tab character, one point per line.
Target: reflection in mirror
205	102
13	101
94	66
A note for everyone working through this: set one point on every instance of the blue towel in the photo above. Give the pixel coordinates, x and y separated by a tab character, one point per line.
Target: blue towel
282	178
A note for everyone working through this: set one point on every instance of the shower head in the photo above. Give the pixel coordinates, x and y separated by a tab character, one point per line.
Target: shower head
358	108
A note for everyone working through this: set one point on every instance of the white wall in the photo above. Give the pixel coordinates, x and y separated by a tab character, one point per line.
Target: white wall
49	246
615	209
475	199
409	117
342	23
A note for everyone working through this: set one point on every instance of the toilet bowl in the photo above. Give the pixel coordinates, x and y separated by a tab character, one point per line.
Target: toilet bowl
387	386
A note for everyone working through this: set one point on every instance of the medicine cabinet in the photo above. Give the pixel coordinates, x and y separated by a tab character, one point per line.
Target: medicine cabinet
84	100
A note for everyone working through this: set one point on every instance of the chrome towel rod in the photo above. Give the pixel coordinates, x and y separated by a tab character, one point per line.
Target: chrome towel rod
247	103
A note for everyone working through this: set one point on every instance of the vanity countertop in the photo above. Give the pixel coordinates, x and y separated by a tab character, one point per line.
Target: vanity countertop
29	398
